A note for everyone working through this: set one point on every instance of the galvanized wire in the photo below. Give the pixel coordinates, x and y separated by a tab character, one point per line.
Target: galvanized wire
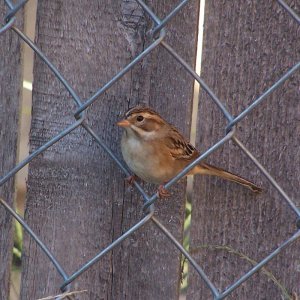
158	26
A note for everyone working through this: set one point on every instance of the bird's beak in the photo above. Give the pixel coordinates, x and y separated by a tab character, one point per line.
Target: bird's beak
123	123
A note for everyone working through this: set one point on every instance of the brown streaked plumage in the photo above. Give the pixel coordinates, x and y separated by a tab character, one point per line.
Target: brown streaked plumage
155	150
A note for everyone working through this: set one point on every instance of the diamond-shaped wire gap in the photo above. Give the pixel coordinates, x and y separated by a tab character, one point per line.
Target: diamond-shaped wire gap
198	269
256	102
107	249
19	166
43	57
38	151
260	265
34	236
127	68
198	78
267	175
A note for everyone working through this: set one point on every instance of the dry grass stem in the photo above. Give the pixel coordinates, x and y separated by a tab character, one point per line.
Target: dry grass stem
64	295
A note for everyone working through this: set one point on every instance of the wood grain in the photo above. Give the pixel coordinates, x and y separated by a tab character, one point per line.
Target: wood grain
248	45
10	87
77	199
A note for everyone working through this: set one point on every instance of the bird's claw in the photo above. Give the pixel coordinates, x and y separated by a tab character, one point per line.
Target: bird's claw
131	179
162	192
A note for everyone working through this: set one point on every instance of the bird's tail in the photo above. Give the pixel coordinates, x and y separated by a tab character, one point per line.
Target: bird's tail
207	169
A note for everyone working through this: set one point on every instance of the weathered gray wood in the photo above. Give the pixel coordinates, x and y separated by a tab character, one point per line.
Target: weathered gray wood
10	85
165	86
77	199
248	45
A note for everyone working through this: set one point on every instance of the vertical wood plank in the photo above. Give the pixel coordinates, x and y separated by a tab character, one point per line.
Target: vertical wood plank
167	88
77	201
248	45
10	76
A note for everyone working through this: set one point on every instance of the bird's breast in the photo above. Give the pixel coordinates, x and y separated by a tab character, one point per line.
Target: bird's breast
144	160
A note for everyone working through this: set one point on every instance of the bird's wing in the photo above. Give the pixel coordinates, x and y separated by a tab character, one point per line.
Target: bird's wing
178	147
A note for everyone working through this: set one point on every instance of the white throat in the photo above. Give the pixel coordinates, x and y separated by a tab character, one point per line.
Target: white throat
145	135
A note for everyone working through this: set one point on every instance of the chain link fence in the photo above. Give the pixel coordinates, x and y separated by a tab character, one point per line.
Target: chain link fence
158	34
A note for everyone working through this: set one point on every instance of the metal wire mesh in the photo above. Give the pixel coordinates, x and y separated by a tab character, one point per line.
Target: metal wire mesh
158	33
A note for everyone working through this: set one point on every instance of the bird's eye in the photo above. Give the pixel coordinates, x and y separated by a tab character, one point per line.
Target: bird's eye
139	118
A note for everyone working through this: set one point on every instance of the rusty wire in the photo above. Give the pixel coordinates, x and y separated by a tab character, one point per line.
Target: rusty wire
158	33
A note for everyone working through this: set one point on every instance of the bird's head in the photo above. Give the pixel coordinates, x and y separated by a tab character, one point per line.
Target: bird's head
143	122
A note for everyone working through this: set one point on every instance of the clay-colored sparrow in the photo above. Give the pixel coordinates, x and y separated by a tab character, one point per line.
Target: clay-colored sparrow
155	151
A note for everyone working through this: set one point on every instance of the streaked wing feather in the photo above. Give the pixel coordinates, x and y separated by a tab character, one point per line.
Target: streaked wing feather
180	148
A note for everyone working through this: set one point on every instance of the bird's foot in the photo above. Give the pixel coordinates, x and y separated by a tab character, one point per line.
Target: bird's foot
131	179
162	192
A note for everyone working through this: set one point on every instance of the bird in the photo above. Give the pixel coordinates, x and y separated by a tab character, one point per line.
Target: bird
156	151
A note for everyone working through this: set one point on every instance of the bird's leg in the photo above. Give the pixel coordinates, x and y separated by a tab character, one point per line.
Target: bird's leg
131	179
162	192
